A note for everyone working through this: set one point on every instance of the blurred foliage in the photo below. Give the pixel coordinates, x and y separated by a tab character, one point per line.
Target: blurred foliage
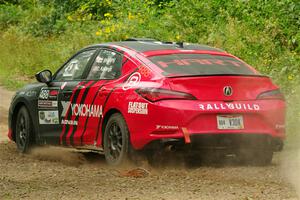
37	34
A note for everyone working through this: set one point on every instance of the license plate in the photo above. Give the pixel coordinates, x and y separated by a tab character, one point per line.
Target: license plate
230	122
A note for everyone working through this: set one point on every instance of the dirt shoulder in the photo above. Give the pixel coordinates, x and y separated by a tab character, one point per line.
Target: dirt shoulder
57	173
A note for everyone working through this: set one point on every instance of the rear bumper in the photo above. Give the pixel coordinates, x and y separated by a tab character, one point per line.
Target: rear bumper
220	142
168	119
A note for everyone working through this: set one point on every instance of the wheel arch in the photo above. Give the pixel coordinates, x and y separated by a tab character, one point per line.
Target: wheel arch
106	117
14	115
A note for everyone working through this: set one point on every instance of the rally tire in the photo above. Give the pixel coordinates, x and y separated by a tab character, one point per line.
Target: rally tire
24	130
116	142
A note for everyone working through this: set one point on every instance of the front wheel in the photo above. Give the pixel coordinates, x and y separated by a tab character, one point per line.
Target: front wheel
116	140
24	130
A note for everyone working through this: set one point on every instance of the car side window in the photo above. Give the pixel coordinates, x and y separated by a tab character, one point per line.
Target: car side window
107	65
74	69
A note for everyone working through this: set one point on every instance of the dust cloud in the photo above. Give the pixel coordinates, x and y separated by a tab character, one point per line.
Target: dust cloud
290	158
58	154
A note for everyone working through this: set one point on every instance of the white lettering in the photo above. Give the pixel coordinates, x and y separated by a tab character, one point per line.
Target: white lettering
228	106
222	106
201	106
166	127
69	122
256	107
209	107
138	108
249	107
86	110
132	81
216	107
238	106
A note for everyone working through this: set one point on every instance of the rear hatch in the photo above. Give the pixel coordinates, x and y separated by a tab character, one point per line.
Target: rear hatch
212	77
222	88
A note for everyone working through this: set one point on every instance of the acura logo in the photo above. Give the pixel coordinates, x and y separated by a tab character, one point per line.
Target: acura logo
227	90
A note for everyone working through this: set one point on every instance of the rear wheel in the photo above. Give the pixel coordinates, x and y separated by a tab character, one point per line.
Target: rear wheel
24	130
116	140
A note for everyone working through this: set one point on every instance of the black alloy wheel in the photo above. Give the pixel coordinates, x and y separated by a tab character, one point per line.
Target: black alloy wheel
116	140
24	130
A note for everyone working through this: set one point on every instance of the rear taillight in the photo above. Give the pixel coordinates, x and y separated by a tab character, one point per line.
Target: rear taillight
158	94
273	94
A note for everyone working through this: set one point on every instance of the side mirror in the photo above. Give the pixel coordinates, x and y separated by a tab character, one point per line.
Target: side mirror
44	76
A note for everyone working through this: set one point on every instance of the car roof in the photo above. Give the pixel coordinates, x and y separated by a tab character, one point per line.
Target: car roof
144	45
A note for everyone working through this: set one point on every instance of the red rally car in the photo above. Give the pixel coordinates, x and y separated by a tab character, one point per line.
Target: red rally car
143	94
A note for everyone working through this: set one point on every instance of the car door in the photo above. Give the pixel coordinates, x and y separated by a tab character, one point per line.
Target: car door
54	98
103	75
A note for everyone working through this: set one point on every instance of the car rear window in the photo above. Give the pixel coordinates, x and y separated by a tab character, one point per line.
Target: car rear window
200	64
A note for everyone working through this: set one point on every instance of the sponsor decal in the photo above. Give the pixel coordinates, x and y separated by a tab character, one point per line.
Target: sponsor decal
44	94
86	110
279	126
30	93
166	127
82	110
69	122
138	108
132	81
106	69
199	61
65	105
48	117
106	61
229	106
48	94
71	68
47	104
144	71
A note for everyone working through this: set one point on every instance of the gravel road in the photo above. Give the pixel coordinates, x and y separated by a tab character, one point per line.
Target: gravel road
57	173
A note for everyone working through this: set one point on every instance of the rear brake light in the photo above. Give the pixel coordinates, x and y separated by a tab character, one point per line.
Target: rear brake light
273	94
157	94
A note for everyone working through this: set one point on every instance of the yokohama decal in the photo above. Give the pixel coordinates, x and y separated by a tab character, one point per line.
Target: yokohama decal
67	114
86	110
70	136
82	110
86	121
